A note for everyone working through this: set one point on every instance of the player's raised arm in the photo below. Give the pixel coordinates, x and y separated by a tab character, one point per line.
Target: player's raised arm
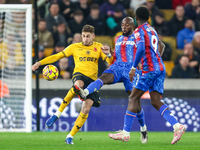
106	54
48	60
161	47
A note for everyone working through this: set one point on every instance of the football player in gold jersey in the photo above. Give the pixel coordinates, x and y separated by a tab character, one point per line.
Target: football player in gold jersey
86	55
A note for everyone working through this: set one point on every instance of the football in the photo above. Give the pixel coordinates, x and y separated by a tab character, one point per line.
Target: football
50	72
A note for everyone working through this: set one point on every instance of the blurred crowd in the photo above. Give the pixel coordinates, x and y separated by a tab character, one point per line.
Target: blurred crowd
177	23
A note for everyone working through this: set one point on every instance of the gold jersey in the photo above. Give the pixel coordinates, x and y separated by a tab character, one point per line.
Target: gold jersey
85	58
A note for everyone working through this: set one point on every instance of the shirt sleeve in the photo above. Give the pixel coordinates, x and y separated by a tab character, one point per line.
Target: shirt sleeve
53	58
140	47
68	51
139	53
139	36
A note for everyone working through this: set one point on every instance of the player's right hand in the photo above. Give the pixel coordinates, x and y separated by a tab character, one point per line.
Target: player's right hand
131	74
35	66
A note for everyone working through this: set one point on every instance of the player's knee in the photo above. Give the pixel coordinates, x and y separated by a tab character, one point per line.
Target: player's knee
154	103
132	97
107	78
86	106
79	83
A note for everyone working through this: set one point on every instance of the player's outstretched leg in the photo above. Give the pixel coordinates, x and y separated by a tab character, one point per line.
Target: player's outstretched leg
92	87
69	139
122	135
179	129
70	95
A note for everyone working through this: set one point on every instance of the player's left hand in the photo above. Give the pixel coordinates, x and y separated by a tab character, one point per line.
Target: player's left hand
132	75
106	49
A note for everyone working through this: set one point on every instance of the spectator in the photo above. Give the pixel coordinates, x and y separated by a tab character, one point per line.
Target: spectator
77	22
4	90
40	56
193	58
160	24
192	10
59	47
65	71
98	22
41	52
107	8
168	50
99	2
2	1
24	2
84	7
150	4
185	35
177	21
175	3
197	23
76	39
43	7
54	18
134	4
164	4
45	37
183	70
62	35
114	22
12	54
196	42
125	3
67	9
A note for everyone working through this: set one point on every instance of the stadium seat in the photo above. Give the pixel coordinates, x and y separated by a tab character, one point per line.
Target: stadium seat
130	13
168	13
179	51
48	51
169	65
104	40
172	42
34	76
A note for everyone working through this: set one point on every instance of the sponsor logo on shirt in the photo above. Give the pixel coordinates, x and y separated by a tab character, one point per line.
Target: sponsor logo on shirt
93	59
126	43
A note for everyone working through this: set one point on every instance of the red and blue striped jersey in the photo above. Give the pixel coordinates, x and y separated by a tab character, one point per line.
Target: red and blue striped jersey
151	59
125	49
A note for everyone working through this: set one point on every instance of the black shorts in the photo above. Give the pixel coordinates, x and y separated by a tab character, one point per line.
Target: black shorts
95	95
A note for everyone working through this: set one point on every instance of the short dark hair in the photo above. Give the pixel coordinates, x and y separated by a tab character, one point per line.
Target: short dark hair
94	6
142	13
78	12
184	55
42	20
88	28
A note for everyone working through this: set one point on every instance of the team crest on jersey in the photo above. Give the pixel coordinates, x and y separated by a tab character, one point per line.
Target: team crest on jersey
95	49
137	34
88	52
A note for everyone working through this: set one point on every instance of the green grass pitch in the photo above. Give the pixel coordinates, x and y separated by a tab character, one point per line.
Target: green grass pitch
96	141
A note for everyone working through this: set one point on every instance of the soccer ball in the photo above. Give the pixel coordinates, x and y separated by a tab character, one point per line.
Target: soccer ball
50	72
